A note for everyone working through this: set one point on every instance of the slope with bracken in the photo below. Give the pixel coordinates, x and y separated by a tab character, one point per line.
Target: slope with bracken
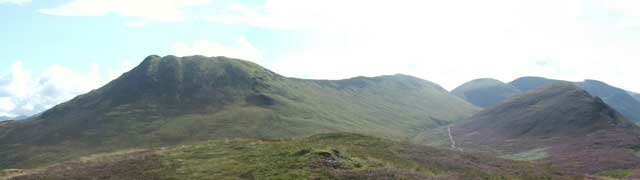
617	98
323	156
559	123
171	100
485	92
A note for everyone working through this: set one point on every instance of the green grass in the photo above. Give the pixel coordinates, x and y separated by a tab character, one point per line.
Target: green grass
255	159
530	155
616	173
323	156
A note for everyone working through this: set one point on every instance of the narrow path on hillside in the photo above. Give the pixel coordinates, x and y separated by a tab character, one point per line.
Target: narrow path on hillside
451	141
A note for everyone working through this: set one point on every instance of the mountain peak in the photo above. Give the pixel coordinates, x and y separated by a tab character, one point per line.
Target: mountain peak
178	82
218	66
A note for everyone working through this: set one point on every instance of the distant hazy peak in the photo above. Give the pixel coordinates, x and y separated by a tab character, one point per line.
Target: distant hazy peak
485	92
478	83
530	82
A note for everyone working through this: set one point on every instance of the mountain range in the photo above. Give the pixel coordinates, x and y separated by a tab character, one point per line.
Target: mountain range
200	117
172	100
490	92
7	118
4	118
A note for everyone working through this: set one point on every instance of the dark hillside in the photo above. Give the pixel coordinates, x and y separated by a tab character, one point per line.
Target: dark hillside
560	124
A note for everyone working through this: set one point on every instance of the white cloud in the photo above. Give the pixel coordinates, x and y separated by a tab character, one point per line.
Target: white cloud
450	42
154	10
22	93
136	23
6	105
242	49
627	7
17	2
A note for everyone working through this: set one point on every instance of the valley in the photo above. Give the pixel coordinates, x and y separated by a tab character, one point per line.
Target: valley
199	117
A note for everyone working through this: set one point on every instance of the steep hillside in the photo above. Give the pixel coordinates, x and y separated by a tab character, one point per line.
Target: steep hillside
172	100
485	93
324	156
559	123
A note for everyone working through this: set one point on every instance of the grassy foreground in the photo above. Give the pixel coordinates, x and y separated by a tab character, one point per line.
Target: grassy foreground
324	156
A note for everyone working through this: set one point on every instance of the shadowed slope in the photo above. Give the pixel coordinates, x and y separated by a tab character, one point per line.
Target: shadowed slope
485	92
171	100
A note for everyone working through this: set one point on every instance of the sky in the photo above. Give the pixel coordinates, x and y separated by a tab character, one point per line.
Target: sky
54	50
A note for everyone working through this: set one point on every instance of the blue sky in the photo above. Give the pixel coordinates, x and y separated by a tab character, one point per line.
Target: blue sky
54	50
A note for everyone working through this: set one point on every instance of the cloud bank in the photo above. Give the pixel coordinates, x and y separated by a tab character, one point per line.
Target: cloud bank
25	93
17	2
152	10
451	42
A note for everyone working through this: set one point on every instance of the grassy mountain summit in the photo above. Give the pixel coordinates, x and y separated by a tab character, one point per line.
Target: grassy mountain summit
485	92
172	100
560	123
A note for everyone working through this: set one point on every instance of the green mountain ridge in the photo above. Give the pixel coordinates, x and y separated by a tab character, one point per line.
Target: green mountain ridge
172	100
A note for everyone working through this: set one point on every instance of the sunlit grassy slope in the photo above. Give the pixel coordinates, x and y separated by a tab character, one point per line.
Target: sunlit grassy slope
172	100
324	156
